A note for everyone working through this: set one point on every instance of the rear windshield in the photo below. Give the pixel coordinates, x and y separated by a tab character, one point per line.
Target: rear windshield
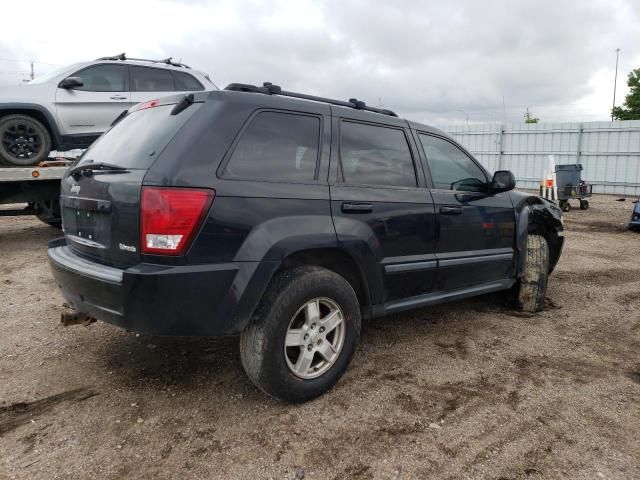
137	140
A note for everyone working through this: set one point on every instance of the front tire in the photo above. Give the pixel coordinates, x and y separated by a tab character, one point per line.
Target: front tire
303	335
24	140
532	287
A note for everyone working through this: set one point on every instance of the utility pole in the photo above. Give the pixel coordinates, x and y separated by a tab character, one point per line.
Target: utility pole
466	115
504	112
615	83
32	71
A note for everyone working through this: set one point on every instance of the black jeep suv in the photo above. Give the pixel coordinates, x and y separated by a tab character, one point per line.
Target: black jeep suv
286	218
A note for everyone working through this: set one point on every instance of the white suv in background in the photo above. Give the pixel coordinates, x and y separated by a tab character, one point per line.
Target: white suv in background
71	107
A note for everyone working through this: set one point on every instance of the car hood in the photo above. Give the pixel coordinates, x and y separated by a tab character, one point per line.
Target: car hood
28	93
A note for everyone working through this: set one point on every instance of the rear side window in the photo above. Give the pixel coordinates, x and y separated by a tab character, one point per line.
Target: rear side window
451	168
374	155
145	79
138	139
186	82
103	78
279	147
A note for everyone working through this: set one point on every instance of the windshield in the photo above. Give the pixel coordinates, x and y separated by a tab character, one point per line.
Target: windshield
54	73
138	139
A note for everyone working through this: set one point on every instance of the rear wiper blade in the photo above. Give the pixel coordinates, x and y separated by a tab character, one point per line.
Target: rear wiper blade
119	117
90	167
185	103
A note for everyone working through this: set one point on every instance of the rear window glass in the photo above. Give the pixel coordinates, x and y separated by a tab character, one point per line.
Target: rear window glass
146	79
185	82
137	140
375	155
280	147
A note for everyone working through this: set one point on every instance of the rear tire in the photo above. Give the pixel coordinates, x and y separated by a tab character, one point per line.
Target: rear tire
584	205
269	347
49	213
24	140
565	206
532	287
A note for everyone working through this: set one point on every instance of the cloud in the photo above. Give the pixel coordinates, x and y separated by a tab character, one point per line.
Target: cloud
427	60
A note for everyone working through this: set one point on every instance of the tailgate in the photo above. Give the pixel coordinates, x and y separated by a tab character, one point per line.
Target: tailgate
101	218
101	206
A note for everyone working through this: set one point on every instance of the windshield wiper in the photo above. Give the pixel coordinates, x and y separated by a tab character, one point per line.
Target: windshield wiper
90	167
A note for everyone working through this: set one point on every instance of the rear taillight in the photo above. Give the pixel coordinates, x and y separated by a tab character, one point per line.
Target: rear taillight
170	217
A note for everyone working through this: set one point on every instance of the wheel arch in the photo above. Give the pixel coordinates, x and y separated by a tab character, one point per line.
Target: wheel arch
332	258
339	261
39	113
535	216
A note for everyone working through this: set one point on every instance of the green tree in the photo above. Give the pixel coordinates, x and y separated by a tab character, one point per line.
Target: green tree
528	118
631	109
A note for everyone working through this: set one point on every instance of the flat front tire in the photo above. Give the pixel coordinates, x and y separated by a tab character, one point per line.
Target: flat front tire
303	335
532	286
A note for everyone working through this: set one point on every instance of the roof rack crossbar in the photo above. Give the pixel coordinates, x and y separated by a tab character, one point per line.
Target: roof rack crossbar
167	61
270	89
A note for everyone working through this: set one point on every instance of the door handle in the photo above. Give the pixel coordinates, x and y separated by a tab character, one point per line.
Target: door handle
118	97
357	208
451	210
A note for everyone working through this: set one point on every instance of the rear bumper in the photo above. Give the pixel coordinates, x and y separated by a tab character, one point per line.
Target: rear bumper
215	299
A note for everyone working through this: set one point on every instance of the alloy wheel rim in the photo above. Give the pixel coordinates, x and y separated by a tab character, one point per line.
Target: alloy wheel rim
315	337
21	140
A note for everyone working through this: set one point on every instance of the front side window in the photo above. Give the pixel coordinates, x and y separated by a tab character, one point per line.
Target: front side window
103	78
279	147
145	79
451	168
374	155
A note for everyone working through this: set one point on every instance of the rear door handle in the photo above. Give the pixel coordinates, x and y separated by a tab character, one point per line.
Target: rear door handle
118	97
451	210
357	208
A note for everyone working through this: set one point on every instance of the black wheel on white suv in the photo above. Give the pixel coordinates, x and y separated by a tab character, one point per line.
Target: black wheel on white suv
23	140
303	335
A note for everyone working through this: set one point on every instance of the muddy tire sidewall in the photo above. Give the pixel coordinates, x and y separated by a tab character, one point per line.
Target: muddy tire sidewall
262	341
532	286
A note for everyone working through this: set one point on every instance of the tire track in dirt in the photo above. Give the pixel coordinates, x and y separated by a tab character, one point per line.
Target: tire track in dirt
16	414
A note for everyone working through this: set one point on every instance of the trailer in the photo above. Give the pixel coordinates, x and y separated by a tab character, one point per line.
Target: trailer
38	187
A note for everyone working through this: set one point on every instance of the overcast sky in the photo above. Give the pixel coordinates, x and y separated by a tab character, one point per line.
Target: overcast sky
430	61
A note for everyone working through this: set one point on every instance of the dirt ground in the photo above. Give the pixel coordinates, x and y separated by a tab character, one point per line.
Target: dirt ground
466	390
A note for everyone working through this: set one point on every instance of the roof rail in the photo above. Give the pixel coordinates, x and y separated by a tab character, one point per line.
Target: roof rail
270	89
167	61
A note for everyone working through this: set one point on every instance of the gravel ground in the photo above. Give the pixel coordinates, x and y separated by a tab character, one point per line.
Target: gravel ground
466	390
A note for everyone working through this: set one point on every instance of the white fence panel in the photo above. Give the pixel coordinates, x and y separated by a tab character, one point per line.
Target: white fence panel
608	151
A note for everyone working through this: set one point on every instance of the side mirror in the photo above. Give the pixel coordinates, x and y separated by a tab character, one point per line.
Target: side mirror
503	181
71	82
